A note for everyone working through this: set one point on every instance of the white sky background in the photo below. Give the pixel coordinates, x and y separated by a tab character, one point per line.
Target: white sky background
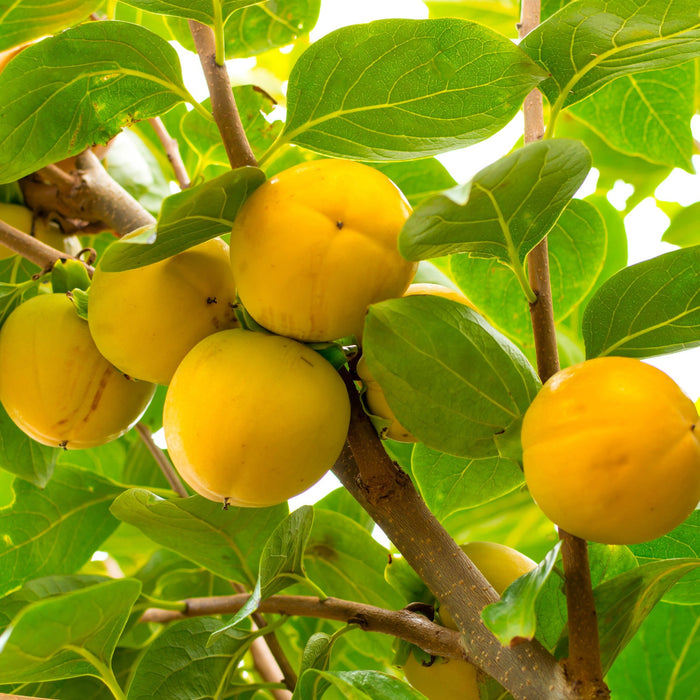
645	224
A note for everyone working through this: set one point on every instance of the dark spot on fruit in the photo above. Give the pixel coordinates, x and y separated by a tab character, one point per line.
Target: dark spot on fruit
211	300
226	502
339	225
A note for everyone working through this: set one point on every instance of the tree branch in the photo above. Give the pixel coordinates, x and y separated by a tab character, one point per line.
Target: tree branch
172	152
527	670
404	624
223	104
161	460
583	666
42	255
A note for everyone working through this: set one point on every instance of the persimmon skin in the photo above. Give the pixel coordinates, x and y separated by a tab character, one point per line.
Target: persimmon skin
55	385
611	451
313	246
253	419
147	319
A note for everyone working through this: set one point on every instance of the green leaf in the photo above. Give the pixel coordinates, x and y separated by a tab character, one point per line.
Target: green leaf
54	530
181	666
354	685
397	89
340	501
623	602
269	25
512	619
87	83
403	578
505	210
451	379
501	15
684	229
204	11
588	43
449	484
67	275
226	542
646	115
663	659
187	218
22	456
682	542
418	179
12	295
79	631
647	309
24	20
38	589
281	562
578	245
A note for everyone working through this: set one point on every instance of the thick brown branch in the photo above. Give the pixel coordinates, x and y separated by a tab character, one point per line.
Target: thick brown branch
42	255
223	104
527	671
583	666
404	624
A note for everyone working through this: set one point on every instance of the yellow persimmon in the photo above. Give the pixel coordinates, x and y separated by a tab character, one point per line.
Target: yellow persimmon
145	320
611	451
253	419
316	244
55	385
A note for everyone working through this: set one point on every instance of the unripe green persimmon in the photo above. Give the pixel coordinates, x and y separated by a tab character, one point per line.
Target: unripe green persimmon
611	451
316	244
145	320
454	678
253	419
374	394
55	385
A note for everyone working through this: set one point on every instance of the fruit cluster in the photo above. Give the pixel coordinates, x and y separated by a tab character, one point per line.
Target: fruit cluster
251	418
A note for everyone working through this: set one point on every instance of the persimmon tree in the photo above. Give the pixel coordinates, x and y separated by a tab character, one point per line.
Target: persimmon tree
117	582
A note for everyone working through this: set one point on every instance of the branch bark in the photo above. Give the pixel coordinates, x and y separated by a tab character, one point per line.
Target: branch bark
404	624
223	104
583	666
172	152
527	670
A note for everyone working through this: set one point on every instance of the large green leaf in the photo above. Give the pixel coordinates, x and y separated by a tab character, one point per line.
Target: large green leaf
204	11
181	666
354	685
578	247
187	218
227	542
418	179
682	542
87	83
54	530
646	115
684	229
647	309
506	209
24	20
453	381
663	659
623	602
78	633
402	88
449	484
21	455
588	43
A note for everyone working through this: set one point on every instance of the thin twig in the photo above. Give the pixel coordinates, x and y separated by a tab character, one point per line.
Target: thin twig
404	624
583	666
223	104
161	459
172	152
